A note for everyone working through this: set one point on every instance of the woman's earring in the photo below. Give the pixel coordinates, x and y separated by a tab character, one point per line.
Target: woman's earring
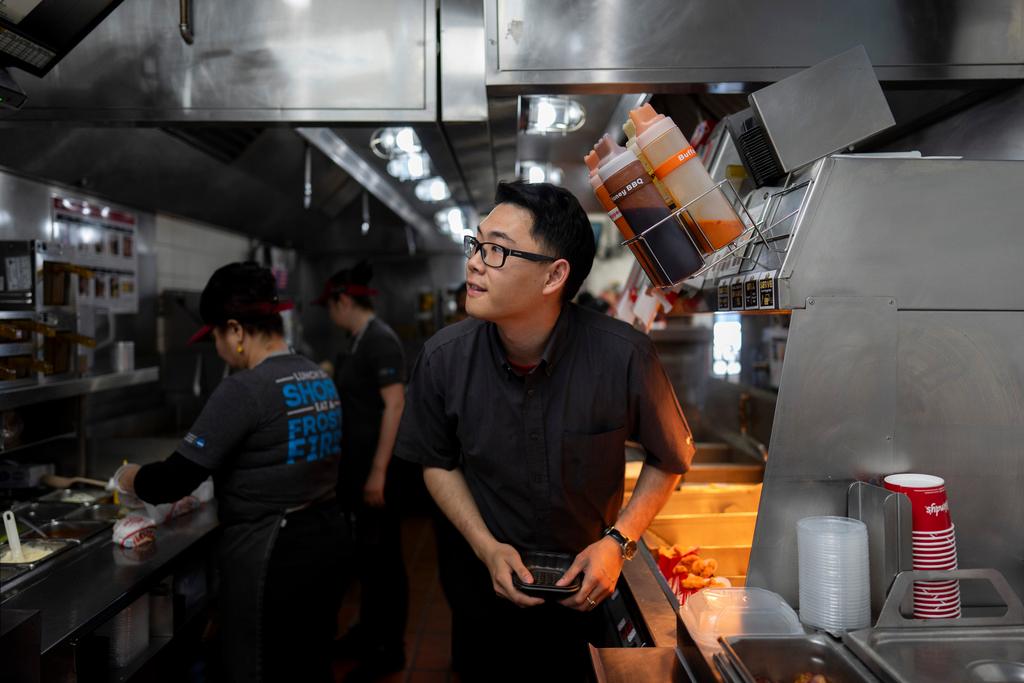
240	349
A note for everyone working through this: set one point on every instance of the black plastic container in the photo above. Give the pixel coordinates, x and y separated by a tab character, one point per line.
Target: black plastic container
547	568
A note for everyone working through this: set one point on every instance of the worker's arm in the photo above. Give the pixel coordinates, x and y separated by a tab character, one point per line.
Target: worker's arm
393	396
600	563
449	489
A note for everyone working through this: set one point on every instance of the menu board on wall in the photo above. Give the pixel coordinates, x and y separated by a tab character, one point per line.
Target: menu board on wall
103	240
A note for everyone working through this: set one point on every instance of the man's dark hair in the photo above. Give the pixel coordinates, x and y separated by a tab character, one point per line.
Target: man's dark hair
559	223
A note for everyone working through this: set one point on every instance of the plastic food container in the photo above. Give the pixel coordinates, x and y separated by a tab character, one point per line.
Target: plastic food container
35	551
716	612
547	568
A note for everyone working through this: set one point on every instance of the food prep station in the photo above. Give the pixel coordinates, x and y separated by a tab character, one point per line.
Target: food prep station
878	176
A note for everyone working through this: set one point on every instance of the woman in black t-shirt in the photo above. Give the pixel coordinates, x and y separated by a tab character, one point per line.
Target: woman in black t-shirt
371	383
270	436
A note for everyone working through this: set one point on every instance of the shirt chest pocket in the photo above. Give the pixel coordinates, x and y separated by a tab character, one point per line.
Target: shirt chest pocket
594	464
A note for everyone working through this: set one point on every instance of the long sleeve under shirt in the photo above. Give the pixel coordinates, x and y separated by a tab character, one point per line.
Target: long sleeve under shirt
169	480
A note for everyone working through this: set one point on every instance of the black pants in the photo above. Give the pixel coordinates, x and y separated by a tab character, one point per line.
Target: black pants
449	542
301	597
380	569
497	641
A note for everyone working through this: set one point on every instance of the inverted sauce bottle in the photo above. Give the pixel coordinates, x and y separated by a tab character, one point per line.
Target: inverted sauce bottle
674	255
601	192
676	165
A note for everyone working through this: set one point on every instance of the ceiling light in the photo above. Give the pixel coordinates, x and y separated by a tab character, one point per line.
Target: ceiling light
451	221
432	190
386	143
547	114
409	166
406	140
539	172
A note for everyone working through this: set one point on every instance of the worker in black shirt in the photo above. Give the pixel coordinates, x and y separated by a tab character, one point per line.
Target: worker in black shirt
519	417
270	435
371	382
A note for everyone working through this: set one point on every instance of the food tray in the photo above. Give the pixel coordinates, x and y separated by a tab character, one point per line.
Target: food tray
58	546
547	568
70	530
901	650
95	513
41	513
783	658
727	528
88	495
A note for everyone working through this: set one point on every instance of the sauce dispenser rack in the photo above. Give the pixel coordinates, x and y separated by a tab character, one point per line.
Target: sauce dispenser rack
741	247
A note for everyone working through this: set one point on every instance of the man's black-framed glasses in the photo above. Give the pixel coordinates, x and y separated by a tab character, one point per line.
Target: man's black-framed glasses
495	255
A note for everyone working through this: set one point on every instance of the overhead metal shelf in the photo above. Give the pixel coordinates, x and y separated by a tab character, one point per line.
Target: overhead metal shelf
49	391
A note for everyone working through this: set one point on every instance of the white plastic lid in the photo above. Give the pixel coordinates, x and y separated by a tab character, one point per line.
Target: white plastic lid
715	612
655	131
612	165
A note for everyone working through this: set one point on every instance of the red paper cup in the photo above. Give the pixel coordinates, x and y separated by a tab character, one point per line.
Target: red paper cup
944	535
935	561
928	503
937	611
938	555
935	586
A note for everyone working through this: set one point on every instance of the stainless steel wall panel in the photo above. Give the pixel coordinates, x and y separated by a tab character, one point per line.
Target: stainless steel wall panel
960	395
833	424
463	61
992	129
613	45
253	60
935	234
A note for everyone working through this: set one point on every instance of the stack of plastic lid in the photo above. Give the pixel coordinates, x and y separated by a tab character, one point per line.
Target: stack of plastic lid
833	571
715	612
934	543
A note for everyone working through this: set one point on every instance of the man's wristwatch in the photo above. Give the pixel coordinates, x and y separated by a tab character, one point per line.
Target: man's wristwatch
627	544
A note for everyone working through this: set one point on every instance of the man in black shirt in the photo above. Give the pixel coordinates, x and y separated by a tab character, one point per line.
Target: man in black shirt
519	417
371	385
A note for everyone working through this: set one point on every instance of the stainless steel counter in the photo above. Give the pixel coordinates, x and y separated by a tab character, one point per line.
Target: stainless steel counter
49	391
100	579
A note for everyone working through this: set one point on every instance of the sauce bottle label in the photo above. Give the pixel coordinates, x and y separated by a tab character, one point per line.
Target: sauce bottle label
673	162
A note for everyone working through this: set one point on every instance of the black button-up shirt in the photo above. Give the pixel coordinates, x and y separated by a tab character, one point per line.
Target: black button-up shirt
543	453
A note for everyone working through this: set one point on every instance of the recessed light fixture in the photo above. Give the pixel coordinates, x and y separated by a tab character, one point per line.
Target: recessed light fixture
432	190
546	114
388	142
452	222
539	172
409	166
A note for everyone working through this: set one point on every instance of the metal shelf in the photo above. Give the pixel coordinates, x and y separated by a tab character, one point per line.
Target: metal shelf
27	395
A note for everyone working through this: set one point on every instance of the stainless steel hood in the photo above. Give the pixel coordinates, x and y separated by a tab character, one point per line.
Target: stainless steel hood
666	46
253	60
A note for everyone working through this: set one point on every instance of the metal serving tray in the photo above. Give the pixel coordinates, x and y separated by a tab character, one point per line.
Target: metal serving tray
86	495
95	513
70	530
969	649
748	659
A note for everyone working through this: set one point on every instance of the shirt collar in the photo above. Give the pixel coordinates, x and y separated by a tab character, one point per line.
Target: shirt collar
359	335
555	348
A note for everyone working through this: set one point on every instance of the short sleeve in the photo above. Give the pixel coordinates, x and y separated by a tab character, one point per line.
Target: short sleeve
659	423
230	415
388	361
426	434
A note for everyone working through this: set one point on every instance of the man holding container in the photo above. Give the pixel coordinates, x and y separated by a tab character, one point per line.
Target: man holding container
519	416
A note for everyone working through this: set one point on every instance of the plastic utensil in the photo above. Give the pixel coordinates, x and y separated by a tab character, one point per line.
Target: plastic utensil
57	482
13	539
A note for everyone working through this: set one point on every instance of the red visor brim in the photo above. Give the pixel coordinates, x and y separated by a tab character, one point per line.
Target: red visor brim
201	334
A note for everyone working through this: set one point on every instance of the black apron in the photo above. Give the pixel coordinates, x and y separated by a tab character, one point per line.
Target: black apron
246	547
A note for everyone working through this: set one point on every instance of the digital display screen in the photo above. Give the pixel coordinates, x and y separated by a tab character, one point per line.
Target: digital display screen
36	34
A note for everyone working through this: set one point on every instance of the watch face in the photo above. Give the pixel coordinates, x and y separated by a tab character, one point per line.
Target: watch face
629	550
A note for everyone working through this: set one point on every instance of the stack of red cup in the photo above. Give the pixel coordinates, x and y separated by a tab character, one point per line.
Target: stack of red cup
934	543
